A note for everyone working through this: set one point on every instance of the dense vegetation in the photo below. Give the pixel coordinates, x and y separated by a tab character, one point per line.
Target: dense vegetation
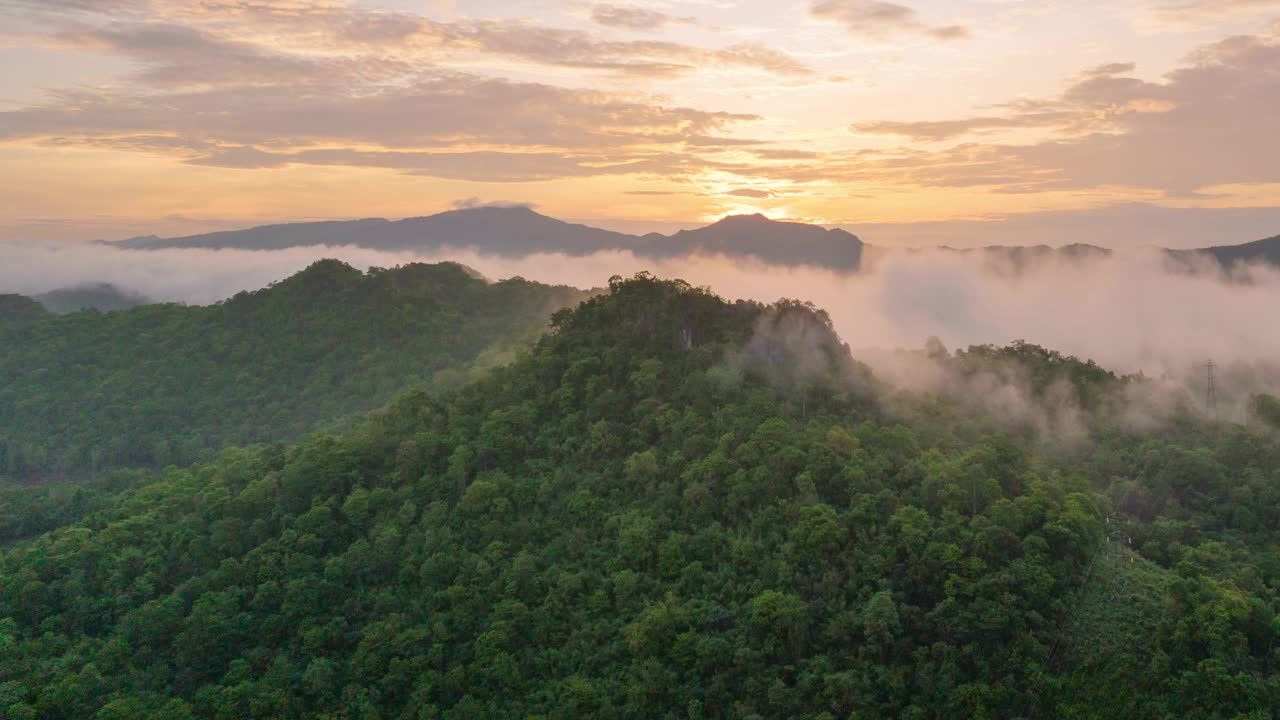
164	384
670	507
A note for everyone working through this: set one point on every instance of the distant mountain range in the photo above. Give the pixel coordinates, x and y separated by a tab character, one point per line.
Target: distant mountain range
520	231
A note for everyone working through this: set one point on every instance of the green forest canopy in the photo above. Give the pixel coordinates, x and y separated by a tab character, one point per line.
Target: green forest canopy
640	518
163	384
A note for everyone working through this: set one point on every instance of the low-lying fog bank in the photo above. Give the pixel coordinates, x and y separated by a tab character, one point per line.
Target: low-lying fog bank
1129	312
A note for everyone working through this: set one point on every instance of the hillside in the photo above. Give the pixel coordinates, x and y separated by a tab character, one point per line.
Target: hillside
103	297
1267	251
673	506
164	384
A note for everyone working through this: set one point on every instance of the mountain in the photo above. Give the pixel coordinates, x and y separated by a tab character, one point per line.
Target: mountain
519	231
509	231
673	506
162	384
771	241
103	297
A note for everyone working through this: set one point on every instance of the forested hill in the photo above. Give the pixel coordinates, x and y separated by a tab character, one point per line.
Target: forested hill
164	384
104	297
1259	251
672	507
18	312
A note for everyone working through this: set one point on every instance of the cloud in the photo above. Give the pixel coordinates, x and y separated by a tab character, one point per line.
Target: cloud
879	20
479	166
55	7
266	29
277	124
576	48
932	130
1207	123
1184	12
177	56
785	154
632	18
268	83
1094	100
475	202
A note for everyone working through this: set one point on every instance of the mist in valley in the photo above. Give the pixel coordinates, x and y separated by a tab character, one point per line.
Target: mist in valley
1131	312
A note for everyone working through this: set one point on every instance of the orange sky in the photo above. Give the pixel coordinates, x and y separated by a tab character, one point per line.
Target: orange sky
908	123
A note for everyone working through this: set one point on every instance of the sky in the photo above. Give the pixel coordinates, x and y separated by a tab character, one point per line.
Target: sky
965	122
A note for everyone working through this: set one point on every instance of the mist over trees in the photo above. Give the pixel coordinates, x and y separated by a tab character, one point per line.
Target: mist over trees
1129	311
103	297
672	506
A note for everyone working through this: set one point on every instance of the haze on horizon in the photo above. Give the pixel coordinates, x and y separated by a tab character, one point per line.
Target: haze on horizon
1125	124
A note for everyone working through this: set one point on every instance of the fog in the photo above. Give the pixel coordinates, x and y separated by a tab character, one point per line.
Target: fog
1129	313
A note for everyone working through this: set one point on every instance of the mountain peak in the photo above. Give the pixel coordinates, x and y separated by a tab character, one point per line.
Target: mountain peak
752	220
496	210
783	242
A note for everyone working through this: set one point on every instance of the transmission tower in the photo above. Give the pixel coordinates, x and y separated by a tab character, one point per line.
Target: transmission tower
1210	391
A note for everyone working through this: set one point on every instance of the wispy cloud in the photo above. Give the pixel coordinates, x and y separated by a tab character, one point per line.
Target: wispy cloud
493	130
267	27
878	20
930	130
577	48
1192	11
632	18
1097	98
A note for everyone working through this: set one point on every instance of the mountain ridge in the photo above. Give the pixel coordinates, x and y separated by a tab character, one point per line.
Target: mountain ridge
170	383
520	231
